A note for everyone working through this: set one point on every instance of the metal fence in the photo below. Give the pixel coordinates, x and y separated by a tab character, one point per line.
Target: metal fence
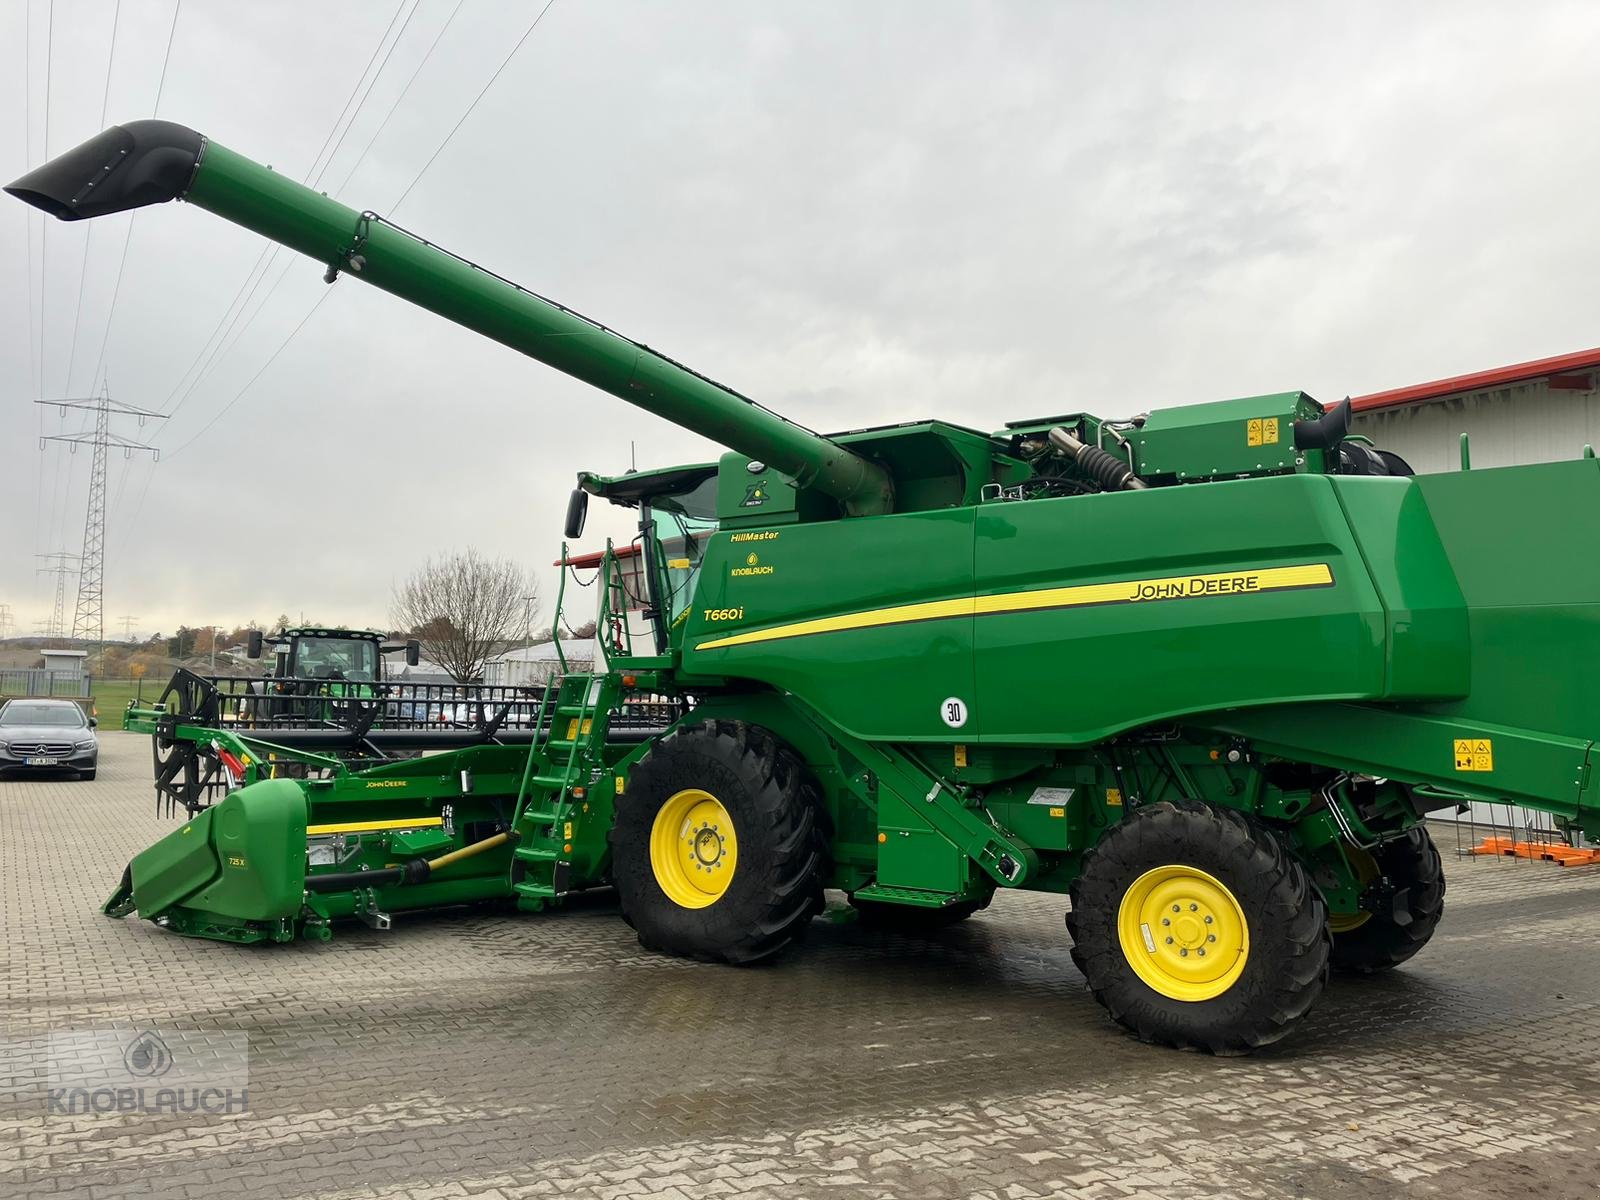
41	681
257	704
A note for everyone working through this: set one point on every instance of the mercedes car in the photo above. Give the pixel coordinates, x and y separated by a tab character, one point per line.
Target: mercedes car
47	735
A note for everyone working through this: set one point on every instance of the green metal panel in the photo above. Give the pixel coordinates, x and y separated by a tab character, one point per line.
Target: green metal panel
245	857
1102	667
1520	544
884	682
1248	436
1425	617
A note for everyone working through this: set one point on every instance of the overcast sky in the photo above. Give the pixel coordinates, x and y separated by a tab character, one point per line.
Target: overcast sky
857	213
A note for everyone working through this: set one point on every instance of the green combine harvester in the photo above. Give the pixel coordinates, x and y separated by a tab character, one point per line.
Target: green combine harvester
1202	671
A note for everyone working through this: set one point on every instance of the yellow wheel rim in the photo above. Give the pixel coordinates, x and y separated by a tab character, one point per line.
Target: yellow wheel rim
693	848
1366	871
1183	933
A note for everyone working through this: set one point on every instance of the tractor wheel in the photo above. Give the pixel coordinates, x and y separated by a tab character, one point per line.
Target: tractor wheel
1195	929
1411	870
717	852
909	918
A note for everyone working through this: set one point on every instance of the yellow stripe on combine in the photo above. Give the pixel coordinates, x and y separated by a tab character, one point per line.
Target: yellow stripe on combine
1127	591
376	826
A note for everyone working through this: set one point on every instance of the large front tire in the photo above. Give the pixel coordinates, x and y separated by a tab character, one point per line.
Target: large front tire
1195	929
716	848
1411	874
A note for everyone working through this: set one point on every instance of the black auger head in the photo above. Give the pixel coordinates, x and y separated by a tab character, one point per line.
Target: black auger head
127	166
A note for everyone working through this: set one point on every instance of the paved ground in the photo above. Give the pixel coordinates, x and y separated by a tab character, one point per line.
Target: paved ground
475	1054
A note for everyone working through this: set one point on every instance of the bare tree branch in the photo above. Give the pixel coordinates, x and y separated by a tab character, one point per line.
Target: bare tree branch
464	608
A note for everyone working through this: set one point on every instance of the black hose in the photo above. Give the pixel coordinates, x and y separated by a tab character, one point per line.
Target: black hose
1109	471
414	871
1326	431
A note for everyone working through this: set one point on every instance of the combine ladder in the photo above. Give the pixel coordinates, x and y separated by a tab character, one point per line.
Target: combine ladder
558	774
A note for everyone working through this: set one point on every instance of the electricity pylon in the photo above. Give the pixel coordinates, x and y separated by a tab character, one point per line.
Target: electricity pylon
88	619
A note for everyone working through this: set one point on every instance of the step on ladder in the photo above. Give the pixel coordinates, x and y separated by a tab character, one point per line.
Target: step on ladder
555	779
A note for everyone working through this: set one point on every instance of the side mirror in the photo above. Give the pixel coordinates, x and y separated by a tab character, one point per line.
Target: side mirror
577	510
93	722
253	644
413	652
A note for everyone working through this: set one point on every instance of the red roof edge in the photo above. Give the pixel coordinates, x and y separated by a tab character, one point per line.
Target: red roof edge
593	558
1480	381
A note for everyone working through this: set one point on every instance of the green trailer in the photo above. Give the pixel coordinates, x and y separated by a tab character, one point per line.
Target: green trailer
1202	672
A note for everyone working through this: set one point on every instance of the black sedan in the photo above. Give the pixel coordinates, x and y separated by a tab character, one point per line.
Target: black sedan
47	735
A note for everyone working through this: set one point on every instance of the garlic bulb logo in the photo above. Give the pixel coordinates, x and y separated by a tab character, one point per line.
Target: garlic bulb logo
147	1055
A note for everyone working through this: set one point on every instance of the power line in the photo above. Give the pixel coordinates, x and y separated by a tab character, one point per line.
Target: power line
60	485
27	139
418	178
349	100
33	316
219	346
367	149
212	343
44	245
172	34
127	238
239	395
549	4
88	241
375	77
223	346
528	32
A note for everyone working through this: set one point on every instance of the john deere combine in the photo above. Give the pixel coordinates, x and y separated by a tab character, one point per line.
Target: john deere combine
1203	671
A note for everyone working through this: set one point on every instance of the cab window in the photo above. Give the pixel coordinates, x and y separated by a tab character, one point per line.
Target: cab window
682	525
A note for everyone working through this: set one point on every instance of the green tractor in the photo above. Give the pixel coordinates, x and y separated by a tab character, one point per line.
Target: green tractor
319	680
342	670
1200	673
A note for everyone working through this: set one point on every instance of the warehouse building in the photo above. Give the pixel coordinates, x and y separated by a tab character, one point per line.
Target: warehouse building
1539	411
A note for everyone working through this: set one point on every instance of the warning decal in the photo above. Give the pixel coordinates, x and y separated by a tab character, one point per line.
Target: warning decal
1261	431
1474	754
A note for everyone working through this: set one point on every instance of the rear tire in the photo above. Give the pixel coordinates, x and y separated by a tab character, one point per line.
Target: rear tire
1411	866
716	849
1231	881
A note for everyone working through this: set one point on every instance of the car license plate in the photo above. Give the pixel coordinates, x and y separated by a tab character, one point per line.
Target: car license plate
40	761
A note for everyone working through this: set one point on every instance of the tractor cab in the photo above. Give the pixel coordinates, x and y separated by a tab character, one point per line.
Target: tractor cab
355	655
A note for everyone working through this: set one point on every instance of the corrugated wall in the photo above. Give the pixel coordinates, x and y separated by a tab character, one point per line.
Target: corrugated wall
1522	424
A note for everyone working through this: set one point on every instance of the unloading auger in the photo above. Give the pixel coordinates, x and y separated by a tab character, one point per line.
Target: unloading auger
1204	671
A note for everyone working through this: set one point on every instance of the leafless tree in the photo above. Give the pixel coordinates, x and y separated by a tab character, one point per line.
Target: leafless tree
464	608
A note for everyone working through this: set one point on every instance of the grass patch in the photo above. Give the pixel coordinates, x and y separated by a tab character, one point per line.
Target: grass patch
111	696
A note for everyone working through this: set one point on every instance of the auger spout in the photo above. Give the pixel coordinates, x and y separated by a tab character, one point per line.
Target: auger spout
151	162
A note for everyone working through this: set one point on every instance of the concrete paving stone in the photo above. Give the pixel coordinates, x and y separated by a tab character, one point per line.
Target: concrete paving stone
474	1054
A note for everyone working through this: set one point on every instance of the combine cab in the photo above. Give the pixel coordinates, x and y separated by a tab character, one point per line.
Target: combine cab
1203	671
